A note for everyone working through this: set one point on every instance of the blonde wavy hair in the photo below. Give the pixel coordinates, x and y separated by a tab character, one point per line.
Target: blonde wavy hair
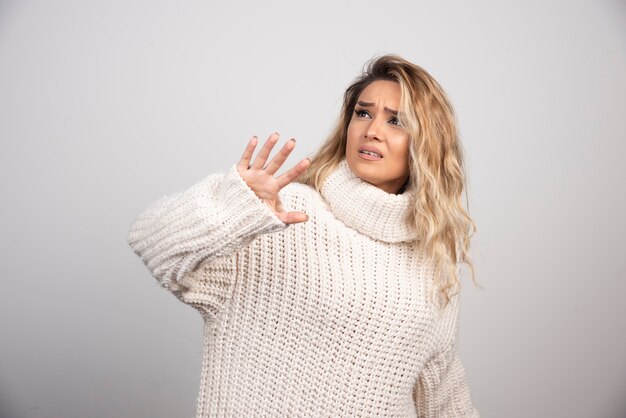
436	166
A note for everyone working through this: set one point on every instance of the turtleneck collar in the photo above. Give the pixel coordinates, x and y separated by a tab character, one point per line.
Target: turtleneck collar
367	208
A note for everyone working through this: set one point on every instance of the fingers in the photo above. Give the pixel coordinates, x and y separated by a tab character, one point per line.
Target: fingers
280	158
292	217
244	162
277	161
293	174
261	158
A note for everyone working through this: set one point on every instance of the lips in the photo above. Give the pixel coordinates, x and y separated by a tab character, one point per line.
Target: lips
371	149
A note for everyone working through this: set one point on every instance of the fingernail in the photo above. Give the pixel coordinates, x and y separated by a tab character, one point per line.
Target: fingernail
293	139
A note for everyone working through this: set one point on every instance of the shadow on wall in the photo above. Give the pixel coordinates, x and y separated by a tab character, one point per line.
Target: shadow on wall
6	411
620	411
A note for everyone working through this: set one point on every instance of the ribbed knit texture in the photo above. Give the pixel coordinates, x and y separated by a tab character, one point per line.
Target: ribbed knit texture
326	318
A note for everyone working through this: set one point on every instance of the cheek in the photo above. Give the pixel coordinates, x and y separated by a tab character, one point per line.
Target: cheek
401	146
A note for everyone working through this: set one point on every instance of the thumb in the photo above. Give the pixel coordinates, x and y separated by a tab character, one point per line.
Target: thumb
292	217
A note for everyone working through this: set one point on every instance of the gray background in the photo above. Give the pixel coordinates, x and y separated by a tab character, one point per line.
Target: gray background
106	106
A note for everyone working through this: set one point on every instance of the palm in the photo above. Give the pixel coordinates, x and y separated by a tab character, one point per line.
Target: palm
260	177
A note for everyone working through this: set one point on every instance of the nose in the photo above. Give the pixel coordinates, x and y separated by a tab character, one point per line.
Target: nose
374	130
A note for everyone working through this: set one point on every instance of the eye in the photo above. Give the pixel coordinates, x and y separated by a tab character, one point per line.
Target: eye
361	113
394	121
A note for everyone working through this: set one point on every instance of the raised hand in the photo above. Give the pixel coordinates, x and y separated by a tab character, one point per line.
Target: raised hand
260	177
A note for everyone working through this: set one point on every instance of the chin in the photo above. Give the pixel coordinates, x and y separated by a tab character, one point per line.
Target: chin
363	170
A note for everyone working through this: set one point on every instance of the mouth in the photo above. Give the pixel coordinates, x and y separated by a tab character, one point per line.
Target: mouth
370	155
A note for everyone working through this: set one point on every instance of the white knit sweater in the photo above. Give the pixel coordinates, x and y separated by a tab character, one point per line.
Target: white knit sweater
329	317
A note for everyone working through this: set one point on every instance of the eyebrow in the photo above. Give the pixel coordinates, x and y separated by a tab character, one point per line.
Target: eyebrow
370	104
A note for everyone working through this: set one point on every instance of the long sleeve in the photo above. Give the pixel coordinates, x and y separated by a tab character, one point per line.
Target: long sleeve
442	390
206	223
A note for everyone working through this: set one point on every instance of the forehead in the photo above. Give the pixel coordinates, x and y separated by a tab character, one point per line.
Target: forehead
385	90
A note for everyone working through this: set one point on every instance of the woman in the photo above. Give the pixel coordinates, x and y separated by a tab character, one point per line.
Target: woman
336	294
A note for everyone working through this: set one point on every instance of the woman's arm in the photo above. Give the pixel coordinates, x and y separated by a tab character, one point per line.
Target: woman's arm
189	240
213	218
441	391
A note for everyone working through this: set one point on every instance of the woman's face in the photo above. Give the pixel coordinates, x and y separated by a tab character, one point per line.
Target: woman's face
378	147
